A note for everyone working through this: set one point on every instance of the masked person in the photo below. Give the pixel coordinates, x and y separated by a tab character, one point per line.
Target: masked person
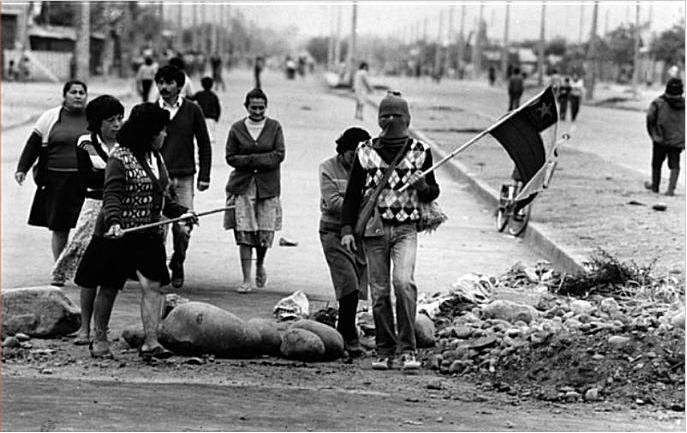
396	241
348	269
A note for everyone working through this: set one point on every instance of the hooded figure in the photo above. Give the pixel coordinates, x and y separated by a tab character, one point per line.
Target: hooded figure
665	122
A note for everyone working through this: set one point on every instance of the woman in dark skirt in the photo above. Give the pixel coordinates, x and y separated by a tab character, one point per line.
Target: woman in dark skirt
52	143
135	193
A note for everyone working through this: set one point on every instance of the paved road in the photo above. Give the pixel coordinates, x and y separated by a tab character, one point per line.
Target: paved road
312	119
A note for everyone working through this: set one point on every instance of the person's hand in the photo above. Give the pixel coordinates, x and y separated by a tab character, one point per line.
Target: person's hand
115	232
202	185
190	218
348	242
418	182
20	176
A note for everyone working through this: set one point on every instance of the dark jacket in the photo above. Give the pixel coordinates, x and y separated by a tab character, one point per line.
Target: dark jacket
665	121
178	146
251	159
515	84
209	103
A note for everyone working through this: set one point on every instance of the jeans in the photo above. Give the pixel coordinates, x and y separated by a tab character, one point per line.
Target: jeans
398	245
182	191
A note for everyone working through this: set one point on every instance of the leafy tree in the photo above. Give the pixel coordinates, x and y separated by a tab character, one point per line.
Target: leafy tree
670	45
556	46
619	45
318	47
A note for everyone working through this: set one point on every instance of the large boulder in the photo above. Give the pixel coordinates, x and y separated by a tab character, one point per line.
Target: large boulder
133	335
424	331
509	311
43	311
270	338
333	341
197	328
301	344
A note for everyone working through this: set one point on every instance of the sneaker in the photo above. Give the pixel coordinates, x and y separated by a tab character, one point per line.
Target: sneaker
381	364
409	362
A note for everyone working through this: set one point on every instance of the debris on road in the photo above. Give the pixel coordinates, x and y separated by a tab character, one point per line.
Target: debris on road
43	311
294	306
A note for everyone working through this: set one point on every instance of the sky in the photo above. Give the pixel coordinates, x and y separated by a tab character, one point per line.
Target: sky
404	19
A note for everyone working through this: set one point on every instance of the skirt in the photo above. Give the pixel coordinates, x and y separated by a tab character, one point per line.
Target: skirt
110	262
348	270
65	266
57	204
254	220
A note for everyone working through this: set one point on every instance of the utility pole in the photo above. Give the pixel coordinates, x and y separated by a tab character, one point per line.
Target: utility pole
82	54
477	53
437	52
337	46
504	52
180	27
352	55
330	45
635	68
542	36
592	55
579	39
450	40
461	41
194	31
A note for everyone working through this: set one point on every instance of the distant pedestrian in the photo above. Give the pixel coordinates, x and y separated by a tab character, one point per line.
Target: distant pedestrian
290	68
394	238
145	76
515	89
136	192
209	103
257	71
575	96
217	70
665	122
52	146
361	87
186	130
555	81
348	269
25	68
12	72
492	75
255	149
563	96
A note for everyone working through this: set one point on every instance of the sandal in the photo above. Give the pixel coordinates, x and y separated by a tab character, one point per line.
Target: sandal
100	350
245	288
260	277
82	339
157	352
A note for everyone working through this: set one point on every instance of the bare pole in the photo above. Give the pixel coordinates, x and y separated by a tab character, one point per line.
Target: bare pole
450	35
592	55
477	54
579	39
437	52
173	220
352	55
194	32
337	46
180	27
542	37
82	55
635	69
461	42
504	54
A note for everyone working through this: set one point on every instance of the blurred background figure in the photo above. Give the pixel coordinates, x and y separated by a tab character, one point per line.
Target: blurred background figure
257	71
145	77
515	89
361	87
216	65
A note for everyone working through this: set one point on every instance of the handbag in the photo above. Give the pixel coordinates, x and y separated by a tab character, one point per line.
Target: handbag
431	217
369	223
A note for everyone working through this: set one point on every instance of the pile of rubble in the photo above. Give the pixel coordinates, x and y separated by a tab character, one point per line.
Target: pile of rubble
562	348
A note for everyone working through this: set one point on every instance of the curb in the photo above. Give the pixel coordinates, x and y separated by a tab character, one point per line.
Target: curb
536	235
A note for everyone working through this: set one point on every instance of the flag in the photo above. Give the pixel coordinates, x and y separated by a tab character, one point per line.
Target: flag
529	136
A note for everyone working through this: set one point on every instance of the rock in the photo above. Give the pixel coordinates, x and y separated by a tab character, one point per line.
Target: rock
435	361
133	335
424	331
509	311
194	361
270	338
659	206
42	311
572	396
197	328
592	394
579	306
11	343
457	366
483	343
618	341
436	384
678	320
572	323
22	337
332	340
609	305
462	332
301	344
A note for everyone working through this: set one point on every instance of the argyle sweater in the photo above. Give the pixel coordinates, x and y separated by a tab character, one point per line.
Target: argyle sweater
372	159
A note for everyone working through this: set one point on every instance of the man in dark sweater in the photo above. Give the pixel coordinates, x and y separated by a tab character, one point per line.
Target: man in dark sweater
186	123
397	240
209	103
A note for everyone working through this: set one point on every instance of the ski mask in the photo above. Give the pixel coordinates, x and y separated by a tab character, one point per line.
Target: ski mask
396	126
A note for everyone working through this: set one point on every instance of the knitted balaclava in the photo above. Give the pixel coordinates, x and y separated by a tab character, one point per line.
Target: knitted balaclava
674	87
397	126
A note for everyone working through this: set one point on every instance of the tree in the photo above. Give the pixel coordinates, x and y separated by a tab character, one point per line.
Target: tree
670	45
620	45
556	46
318	47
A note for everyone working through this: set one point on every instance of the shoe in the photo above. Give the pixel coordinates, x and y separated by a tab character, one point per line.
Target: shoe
648	185
381	364
57	282
409	362
82	339
260	278
245	288
354	349
177	276
100	349
157	352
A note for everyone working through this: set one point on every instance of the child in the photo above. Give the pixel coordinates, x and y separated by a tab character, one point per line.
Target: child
209	103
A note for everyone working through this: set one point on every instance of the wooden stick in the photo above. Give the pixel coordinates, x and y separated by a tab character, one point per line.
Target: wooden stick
173	220
474	139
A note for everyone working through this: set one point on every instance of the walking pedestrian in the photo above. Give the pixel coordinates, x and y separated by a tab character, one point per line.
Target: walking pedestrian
209	103
136	192
52	146
348	269
492	75
145	76
255	148
361	87
257	71
104	115
216	65
563	96
187	123
665	122
394	239
515	89
576	90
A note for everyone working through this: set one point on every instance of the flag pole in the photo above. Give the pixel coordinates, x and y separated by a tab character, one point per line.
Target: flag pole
173	220
476	137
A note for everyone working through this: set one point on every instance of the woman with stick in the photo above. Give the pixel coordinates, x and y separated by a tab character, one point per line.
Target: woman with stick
135	193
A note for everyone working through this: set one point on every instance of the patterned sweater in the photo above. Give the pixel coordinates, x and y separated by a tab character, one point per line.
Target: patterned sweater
132	196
